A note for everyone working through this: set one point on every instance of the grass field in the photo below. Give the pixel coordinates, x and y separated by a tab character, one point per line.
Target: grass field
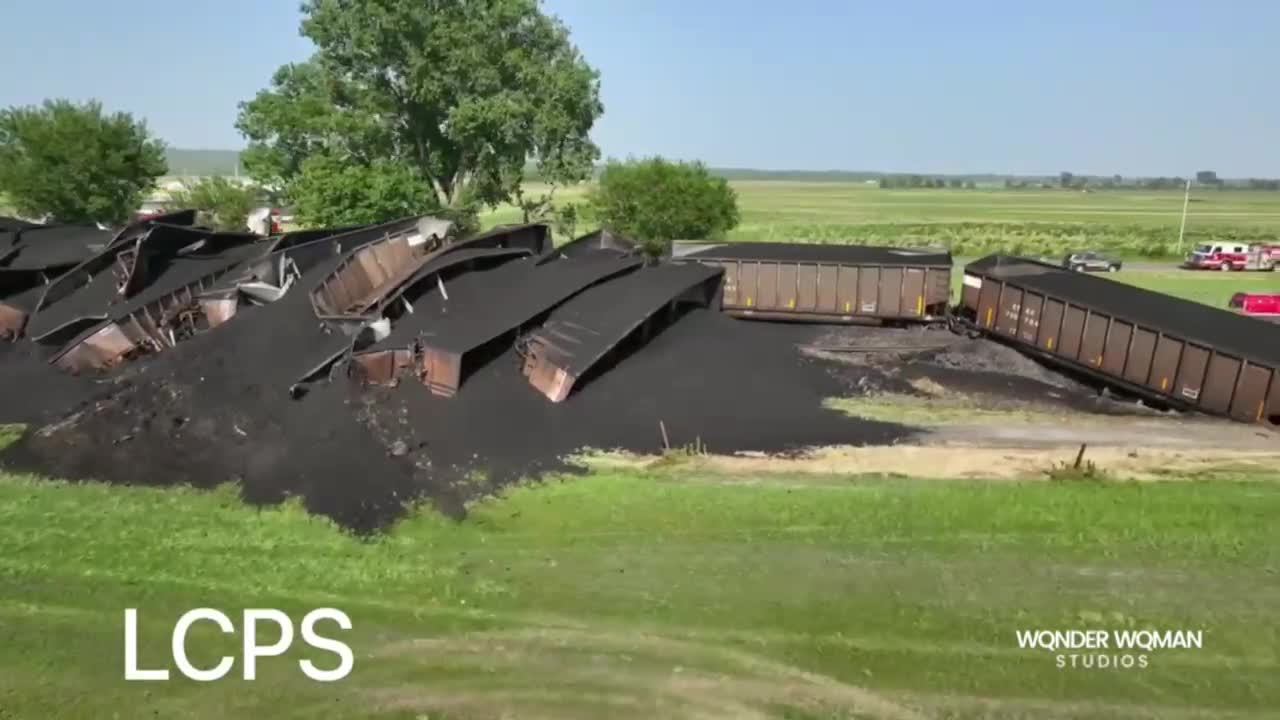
1206	287
658	594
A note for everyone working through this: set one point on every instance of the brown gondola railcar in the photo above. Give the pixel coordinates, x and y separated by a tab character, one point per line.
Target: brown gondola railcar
1174	351
829	283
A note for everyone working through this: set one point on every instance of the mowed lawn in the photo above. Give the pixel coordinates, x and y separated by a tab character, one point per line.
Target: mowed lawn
669	593
1211	288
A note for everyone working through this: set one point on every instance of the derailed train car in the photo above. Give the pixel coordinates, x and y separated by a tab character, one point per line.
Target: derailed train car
1174	351
830	283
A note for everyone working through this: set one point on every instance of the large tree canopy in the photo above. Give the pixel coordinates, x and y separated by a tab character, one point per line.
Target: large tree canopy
75	162
462	94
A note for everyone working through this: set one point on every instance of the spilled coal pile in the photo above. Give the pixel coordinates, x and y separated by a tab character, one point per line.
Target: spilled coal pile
218	409
222	405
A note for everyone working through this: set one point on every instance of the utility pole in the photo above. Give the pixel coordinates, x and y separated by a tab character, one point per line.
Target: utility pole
1186	200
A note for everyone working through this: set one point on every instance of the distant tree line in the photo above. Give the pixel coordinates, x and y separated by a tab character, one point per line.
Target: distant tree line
923	181
1203	178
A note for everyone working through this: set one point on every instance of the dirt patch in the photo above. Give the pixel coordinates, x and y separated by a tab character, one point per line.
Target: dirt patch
962	462
930	362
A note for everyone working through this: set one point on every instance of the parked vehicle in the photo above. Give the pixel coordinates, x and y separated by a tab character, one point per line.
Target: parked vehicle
1233	256
1091	260
1264	306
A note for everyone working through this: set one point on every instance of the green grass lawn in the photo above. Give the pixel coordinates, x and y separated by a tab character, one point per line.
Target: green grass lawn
663	594
1211	288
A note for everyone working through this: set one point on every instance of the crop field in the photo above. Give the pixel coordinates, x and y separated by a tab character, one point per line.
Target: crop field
1131	224
671	592
980	221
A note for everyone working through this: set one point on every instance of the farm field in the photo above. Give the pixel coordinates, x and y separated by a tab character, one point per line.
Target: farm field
660	593
980	221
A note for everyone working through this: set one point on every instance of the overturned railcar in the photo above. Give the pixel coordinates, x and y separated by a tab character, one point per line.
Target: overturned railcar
1173	351
580	334
830	283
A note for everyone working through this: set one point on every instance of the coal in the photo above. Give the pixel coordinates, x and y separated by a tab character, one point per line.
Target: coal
56	246
34	392
482	306
822	253
216	409
91	300
713	381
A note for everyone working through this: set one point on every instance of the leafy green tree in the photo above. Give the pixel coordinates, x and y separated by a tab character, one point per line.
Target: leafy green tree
329	192
1065	179
565	220
223	204
656	201
76	162
462	94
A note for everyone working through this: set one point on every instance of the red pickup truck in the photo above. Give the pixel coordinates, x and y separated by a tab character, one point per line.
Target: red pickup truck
1264	306
1233	256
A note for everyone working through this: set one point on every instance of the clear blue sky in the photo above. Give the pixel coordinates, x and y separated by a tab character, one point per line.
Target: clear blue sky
1093	86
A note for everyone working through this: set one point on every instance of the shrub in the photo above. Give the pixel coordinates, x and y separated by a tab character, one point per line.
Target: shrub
656	201
223	204
330	192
